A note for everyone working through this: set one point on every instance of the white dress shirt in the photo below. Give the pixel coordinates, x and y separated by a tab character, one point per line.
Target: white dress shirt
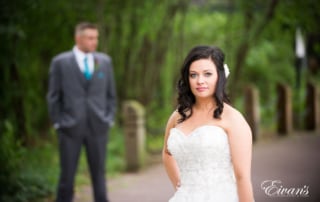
80	59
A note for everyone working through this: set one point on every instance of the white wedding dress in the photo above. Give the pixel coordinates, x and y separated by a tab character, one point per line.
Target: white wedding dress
204	161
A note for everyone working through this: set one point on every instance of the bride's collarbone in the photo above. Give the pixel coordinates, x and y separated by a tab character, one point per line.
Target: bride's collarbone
193	125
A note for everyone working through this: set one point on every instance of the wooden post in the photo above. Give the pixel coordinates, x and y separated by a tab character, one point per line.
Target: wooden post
252	112
284	109
134	128
312	120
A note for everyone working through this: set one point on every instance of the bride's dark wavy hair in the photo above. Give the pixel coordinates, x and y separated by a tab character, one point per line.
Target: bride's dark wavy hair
186	99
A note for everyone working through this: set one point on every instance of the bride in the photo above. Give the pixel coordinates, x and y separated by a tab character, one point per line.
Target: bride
208	144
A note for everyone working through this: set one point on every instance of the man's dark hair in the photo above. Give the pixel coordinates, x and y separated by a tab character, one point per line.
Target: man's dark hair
84	25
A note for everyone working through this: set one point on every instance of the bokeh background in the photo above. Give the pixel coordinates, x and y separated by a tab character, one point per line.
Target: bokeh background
147	41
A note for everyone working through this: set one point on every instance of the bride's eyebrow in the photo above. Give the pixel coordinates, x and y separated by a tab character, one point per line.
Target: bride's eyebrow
204	71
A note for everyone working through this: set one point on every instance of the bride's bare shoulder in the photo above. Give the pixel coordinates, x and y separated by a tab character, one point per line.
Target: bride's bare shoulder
173	119
234	118
231	113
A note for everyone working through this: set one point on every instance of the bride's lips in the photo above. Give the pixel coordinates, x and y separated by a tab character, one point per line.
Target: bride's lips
201	89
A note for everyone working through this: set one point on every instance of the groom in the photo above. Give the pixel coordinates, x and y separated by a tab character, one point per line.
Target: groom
82	104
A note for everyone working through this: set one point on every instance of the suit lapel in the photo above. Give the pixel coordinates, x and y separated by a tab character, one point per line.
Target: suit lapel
98	73
77	71
96	67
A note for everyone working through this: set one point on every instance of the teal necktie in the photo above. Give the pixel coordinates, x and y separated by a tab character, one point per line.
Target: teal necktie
87	72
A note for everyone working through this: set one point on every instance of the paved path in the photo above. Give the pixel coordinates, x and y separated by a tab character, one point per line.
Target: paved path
293	160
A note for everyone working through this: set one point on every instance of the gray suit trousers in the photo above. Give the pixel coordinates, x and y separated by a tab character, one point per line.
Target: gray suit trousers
70	146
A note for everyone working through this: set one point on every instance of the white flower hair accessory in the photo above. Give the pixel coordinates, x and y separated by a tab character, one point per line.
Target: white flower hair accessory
226	70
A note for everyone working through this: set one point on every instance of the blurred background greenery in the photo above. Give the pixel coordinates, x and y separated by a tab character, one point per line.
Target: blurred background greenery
147	40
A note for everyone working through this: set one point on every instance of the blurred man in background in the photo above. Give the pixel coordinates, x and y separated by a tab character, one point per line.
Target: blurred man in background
82	104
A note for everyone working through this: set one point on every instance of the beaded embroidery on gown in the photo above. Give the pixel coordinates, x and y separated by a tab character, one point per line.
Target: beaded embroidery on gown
206	171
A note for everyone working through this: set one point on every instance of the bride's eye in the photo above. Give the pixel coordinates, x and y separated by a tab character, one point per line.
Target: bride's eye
193	75
207	74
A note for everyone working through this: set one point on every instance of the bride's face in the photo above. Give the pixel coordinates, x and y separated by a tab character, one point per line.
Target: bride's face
203	78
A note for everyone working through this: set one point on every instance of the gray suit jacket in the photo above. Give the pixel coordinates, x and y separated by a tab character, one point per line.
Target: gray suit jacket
74	102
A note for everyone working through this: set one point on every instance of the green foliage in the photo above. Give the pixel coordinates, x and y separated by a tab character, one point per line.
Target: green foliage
22	171
18	182
116	151
10	157
29	187
156	121
138	44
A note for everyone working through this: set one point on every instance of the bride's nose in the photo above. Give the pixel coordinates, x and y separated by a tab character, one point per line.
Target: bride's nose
200	79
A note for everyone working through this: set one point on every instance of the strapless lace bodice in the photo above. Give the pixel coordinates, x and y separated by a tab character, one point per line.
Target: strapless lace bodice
204	161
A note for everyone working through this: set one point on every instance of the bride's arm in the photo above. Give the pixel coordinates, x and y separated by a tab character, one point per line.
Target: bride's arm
240	140
168	160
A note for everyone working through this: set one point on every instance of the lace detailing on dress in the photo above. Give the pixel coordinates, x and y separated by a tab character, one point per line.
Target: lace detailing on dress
206	171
